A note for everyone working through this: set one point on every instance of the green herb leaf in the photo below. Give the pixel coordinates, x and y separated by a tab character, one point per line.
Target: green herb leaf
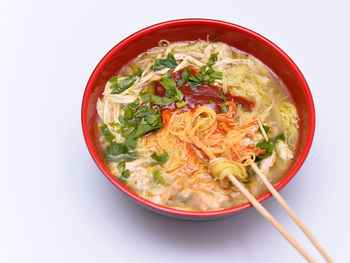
172	91
207	75
145	97
278	137
128	113
139	72
160	159
167	81
264	145
121	166
200	76
222	95
193	78
118	88
158	178
119	151
139	119
215	39
184	77
215	74
114	124
121	120
162	101
113	79
180	104
211	102
125	174
266	128
224	108
184	200
268	145
130	143
168	62
143	128
193	86
212	60
107	133
152	120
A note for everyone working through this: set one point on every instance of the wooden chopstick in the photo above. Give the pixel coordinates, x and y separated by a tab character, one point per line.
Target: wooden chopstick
261	209
270	218
285	206
290	212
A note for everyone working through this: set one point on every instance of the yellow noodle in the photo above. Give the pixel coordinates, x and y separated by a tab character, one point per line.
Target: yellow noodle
289	118
191	137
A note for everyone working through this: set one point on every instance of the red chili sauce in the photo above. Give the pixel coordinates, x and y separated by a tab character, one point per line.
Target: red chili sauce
203	94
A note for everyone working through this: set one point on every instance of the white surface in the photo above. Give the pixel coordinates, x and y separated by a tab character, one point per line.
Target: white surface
56	206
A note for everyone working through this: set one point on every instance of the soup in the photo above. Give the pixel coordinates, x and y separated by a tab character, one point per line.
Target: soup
181	117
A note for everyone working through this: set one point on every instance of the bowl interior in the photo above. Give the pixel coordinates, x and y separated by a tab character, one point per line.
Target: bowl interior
194	29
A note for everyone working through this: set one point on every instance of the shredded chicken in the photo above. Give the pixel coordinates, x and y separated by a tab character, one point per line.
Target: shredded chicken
267	163
283	150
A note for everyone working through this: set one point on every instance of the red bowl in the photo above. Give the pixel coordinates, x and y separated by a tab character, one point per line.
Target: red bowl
194	29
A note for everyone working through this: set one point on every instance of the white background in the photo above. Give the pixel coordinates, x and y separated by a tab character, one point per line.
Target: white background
56	206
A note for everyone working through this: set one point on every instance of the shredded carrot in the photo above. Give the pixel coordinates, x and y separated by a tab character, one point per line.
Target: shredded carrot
191	159
225	127
166	116
225	119
218	130
233	153
258	151
230	114
232	109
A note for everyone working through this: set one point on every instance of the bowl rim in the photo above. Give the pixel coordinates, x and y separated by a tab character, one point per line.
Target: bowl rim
203	21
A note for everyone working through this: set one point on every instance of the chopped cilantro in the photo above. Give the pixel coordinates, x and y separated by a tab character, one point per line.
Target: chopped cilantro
139	119
215	39
267	146
121	166
126	83
113	79
212	59
184	77
278	137
139	72
145	97
266	128
107	133
149	97
264	145
180	104
158	178
224	108
206	75
184	200
222	95
168	62
119	151
125	174
114	124
214	74
160	159
130	143
162	101
168	82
